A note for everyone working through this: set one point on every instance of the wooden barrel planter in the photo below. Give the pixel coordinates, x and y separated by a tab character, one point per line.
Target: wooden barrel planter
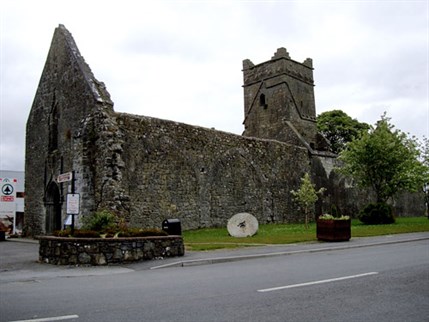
333	230
105	251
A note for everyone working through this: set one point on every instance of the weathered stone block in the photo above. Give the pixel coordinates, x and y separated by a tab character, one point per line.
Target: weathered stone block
117	254
84	258
100	259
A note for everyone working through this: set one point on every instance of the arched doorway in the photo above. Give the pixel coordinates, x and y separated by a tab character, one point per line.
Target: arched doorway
53	208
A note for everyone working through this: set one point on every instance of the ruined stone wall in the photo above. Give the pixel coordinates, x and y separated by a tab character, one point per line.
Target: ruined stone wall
100	163
203	176
67	93
349	200
148	170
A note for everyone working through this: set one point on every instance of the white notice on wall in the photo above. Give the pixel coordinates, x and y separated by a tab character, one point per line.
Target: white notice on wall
73	200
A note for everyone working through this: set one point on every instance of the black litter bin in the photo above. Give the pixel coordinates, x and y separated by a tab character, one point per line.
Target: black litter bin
172	226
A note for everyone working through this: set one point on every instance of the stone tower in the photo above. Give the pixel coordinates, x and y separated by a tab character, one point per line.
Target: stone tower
279	101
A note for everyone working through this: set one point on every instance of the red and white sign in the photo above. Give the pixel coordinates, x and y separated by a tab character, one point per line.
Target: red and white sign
7	190
7	204
64	177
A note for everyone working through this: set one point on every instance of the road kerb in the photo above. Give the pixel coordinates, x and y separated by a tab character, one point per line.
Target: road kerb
217	260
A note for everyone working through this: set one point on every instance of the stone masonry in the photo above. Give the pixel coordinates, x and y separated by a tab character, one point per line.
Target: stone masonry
147	169
104	251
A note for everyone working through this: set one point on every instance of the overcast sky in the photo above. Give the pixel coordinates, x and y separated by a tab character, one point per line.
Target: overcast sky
182	60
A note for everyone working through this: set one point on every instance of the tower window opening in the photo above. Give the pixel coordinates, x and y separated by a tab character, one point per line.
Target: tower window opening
262	101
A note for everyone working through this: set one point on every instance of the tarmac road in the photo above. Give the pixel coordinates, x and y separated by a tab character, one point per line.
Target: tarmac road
367	279
19	257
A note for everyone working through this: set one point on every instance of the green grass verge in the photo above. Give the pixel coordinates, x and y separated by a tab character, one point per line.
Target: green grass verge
268	234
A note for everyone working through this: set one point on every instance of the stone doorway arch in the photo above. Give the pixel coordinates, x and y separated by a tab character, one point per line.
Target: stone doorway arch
53	208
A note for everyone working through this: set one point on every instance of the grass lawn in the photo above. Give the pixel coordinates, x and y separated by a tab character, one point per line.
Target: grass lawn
216	238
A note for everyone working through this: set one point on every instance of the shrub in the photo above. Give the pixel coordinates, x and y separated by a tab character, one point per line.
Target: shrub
376	214
86	233
62	233
136	232
100	221
330	217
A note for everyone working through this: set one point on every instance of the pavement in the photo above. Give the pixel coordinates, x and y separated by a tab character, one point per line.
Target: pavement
19	257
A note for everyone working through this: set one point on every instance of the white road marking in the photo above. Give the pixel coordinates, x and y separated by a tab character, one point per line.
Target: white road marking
317	282
55	318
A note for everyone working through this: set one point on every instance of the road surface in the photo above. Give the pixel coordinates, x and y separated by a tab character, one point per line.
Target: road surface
380	283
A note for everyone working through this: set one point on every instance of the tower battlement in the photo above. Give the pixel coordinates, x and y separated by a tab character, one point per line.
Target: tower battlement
280	63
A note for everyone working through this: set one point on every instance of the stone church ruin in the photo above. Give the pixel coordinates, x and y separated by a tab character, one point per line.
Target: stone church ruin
148	169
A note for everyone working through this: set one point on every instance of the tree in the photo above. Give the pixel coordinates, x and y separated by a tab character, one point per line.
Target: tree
424	158
384	159
424	154
339	128
306	196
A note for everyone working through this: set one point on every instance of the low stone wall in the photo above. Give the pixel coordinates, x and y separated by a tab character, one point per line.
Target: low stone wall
104	251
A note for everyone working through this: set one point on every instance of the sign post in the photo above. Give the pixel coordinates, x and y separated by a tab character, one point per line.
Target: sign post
73	192
73	199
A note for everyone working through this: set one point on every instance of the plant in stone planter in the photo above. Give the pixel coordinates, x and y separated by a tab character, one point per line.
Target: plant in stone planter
136	232
330	217
100	221
105	224
330	228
